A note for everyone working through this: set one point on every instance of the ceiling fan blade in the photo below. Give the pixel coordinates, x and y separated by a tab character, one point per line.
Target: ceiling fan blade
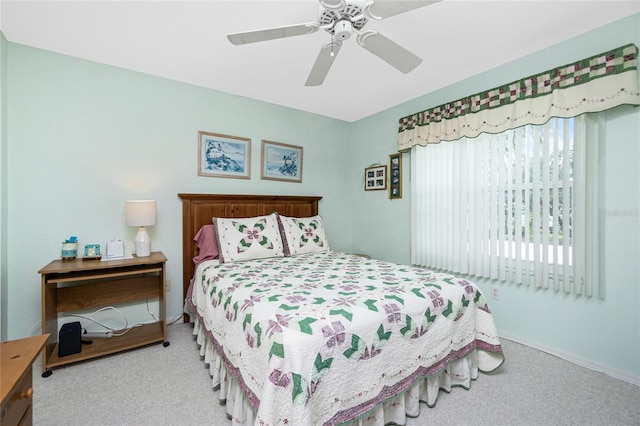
333	4
389	51
273	33
381	9
323	63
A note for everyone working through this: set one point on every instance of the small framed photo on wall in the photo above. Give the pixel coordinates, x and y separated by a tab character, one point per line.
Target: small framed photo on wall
224	156
281	162
375	178
395	176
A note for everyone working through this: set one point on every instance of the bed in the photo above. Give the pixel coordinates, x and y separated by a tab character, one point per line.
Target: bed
296	333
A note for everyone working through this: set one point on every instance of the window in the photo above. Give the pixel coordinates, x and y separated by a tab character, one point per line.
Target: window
509	206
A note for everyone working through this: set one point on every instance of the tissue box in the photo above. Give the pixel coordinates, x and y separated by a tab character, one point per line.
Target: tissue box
69	250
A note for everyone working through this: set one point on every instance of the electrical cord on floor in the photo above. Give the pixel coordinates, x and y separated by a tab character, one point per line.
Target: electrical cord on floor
33	328
151	313
126	327
89	318
140	324
175	319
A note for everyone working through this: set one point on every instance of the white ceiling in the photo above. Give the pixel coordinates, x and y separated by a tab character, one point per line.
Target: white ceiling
186	41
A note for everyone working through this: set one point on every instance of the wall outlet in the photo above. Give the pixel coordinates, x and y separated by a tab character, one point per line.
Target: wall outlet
495	292
167	285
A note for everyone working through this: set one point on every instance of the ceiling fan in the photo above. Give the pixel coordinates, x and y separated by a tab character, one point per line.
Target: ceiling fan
341	18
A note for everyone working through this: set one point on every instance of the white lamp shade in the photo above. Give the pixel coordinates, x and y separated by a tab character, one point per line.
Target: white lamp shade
141	212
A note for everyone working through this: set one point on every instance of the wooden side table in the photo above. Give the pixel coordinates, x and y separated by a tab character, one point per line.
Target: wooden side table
84	284
16	364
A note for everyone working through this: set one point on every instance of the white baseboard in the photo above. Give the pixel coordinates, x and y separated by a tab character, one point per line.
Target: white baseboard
583	362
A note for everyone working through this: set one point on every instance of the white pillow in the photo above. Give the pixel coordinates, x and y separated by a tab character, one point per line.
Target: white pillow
303	235
248	238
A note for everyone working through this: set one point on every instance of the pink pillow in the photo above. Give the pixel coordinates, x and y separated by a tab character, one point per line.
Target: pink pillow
207	243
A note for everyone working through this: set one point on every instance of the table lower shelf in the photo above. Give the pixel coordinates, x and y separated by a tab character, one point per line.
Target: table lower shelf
145	334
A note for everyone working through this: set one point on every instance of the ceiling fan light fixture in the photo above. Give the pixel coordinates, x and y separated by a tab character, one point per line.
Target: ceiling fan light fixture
343	30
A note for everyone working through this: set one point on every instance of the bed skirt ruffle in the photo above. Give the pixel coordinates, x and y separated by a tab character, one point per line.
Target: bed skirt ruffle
395	410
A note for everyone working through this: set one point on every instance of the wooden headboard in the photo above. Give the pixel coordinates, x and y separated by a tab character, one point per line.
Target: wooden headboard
199	209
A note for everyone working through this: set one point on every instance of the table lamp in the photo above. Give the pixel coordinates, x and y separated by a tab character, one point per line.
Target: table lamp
141	213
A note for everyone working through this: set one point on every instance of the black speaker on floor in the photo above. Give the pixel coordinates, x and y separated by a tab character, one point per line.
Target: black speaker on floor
69	339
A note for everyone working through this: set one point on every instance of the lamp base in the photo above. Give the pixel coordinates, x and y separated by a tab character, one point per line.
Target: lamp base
143	243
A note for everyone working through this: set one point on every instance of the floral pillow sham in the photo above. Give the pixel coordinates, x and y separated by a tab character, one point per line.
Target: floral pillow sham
302	235
248	238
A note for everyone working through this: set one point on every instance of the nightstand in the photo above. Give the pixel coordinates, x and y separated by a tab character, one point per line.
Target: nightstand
16	359
80	284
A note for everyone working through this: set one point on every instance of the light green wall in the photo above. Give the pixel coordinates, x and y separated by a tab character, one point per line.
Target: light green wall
3	189
84	137
601	334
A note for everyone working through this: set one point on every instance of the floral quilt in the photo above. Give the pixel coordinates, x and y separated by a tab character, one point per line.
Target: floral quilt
322	338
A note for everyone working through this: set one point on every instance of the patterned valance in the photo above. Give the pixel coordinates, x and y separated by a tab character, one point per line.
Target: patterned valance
594	84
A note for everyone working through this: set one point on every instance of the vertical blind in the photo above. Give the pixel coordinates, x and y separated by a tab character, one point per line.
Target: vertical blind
510	206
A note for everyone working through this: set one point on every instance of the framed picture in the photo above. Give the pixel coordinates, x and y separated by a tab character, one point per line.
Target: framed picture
281	161
375	178
395	176
224	156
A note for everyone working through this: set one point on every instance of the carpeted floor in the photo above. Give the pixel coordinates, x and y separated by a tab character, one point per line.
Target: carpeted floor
171	386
